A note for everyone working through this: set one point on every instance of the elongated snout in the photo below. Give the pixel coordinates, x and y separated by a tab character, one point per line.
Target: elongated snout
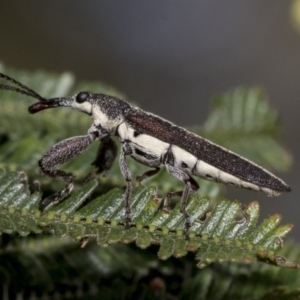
49	103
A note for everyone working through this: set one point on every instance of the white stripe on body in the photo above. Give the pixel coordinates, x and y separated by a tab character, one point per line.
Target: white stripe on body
145	143
209	172
182	160
266	190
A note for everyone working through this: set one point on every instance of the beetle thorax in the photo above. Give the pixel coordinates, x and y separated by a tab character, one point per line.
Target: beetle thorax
108	112
106	120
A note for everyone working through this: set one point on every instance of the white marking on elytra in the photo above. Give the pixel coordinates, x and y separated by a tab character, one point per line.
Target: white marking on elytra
210	172
275	193
270	192
156	147
182	156
214	172
152	146
203	169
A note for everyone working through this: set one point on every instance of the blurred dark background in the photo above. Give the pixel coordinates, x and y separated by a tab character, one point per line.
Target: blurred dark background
171	57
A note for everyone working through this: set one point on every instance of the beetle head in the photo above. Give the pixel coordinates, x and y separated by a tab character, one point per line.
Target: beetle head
81	101
105	109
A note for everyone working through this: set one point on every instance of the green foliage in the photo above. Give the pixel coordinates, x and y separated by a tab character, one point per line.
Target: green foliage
243	121
239	281
222	231
219	236
59	269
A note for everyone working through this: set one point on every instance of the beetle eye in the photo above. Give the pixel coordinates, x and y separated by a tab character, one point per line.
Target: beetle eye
82	96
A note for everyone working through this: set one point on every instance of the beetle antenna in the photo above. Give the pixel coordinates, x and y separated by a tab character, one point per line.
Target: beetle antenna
11	88
23	89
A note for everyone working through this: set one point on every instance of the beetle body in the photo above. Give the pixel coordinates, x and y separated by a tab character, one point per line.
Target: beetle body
150	140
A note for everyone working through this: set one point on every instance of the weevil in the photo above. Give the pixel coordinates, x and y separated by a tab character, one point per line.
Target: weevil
150	140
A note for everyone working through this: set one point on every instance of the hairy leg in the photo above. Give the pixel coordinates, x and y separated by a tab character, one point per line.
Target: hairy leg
146	175
59	154
106	155
191	186
126	150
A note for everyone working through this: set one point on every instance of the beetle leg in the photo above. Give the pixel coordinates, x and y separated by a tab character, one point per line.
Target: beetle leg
106	155
58	154
191	186
126	150
170	195
146	175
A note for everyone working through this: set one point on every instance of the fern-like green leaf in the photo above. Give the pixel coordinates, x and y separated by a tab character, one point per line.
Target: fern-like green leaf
243	121
58	267
238	281
215	235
